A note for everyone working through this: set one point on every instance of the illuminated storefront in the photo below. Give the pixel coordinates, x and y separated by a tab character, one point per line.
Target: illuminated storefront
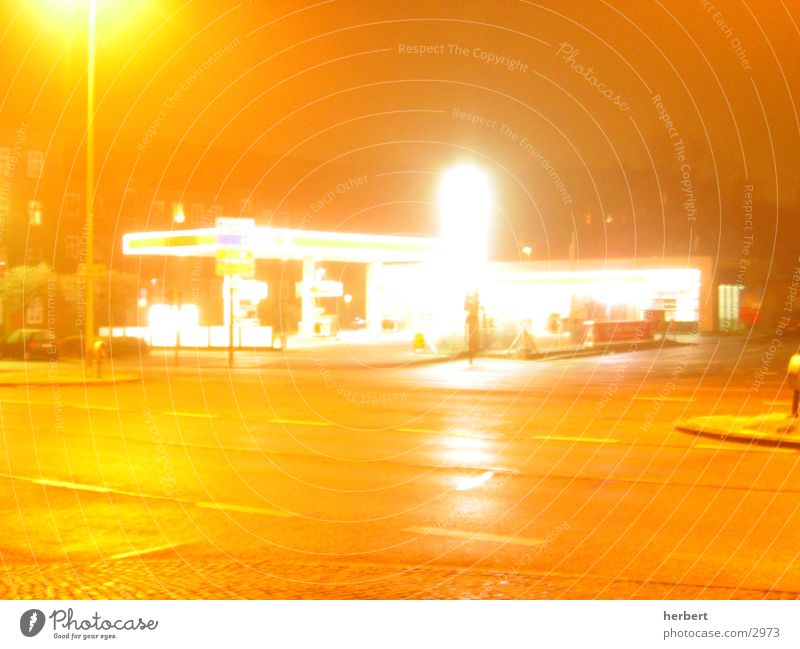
552	299
410	284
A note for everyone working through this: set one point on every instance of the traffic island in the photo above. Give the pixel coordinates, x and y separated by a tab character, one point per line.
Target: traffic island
579	351
776	429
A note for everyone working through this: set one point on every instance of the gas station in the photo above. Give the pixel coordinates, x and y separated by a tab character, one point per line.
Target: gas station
419	284
236	244
411	282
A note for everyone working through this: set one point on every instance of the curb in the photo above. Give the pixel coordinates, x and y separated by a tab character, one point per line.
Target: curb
613	348
739	435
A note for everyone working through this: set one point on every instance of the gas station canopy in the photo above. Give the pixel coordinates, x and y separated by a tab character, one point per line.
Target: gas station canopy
277	243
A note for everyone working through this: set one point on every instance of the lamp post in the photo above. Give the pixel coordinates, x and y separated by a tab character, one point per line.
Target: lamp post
89	223
465	199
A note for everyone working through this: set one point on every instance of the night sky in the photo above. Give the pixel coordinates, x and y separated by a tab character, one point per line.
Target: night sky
640	127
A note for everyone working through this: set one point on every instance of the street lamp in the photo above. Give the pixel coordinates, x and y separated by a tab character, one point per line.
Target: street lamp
89	223
465	201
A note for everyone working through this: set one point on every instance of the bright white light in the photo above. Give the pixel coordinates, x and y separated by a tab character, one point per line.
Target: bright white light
161	316
178	215
252	290
465	484
465	201
348	298
188	316
168	318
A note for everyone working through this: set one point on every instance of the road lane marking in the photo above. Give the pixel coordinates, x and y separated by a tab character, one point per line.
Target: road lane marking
138	553
459	433
84	406
474	536
242	509
300	422
63	484
474	481
195	415
660	398
591	440
68	485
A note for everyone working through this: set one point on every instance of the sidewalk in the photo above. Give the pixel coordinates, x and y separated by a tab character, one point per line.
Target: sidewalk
59	372
775	429
573	351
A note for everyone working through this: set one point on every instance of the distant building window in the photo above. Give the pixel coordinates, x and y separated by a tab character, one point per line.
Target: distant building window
35	212
129	198
72	246
33	257
159	209
72	204
5	156
35	164
34	313
197	212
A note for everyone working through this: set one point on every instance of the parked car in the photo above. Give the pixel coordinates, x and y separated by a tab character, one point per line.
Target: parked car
29	344
71	346
120	346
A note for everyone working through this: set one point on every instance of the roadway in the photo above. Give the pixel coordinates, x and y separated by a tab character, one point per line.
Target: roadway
328	473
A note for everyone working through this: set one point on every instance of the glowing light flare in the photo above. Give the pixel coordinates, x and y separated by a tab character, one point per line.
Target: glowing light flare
465	203
251	290
466	451
61	18
178	215
168	317
473	481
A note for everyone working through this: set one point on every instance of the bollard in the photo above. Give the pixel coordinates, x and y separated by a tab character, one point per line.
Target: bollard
98	354
794	380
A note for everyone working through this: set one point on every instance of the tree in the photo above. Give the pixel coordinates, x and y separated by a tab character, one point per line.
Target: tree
117	294
26	286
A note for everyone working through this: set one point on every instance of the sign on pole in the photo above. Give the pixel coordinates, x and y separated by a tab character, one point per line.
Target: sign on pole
235	256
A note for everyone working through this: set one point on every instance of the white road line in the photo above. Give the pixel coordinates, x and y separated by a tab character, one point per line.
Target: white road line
137	553
458	433
591	440
83	406
474	536
242	509
300	422
657	398
194	415
67	485
64	484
